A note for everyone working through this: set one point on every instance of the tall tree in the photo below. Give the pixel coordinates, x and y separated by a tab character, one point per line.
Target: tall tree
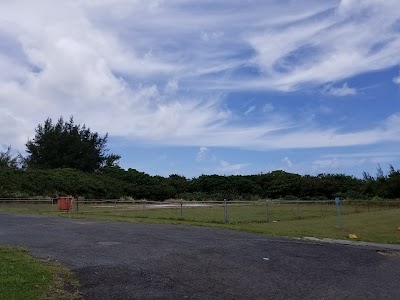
7	160
67	145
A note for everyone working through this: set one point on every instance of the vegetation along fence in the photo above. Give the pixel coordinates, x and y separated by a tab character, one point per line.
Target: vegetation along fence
204	211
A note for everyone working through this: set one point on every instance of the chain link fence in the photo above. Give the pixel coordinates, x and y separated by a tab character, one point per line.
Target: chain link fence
28	205
204	211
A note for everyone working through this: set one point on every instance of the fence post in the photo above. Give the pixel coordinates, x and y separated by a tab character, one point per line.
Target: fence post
339	212
143	207
181	208
115	204
267	209
77	203
368	205
320	208
387	204
356	206
225	212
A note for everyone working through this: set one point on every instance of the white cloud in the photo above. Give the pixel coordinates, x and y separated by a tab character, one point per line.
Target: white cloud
171	87
359	37
295	43
396	80
287	161
327	164
249	110
336	162
365	155
228	168
325	109
140	69
349	160
203	151
208	36
268	107
345	90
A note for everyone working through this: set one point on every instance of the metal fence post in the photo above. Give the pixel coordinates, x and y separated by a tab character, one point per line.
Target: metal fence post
225	212
339	211
267	209
143	207
320	208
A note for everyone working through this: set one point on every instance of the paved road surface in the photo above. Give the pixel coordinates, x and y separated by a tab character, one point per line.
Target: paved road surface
143	261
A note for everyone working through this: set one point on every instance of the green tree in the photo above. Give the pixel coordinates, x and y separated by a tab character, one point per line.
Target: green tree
67	145
180	183
393	183
7	160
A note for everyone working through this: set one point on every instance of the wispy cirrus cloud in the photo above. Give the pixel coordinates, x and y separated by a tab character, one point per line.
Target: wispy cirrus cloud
341	162
250	110
228	168
287	161
342	91
352	38
203	151
268	107
158	72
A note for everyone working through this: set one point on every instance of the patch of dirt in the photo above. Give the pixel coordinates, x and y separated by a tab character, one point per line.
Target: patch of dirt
389	253
65	287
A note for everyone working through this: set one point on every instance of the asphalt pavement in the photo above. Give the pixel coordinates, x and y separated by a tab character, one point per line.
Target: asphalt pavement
115	260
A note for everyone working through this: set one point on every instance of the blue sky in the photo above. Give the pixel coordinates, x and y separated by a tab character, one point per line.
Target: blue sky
204	87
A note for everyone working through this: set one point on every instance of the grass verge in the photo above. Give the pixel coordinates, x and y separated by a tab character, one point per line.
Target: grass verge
24	277
377	226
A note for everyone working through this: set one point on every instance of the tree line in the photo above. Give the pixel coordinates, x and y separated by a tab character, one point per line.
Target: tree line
68	159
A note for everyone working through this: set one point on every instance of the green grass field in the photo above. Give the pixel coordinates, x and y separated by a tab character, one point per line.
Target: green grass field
23	277
380	224
377	222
